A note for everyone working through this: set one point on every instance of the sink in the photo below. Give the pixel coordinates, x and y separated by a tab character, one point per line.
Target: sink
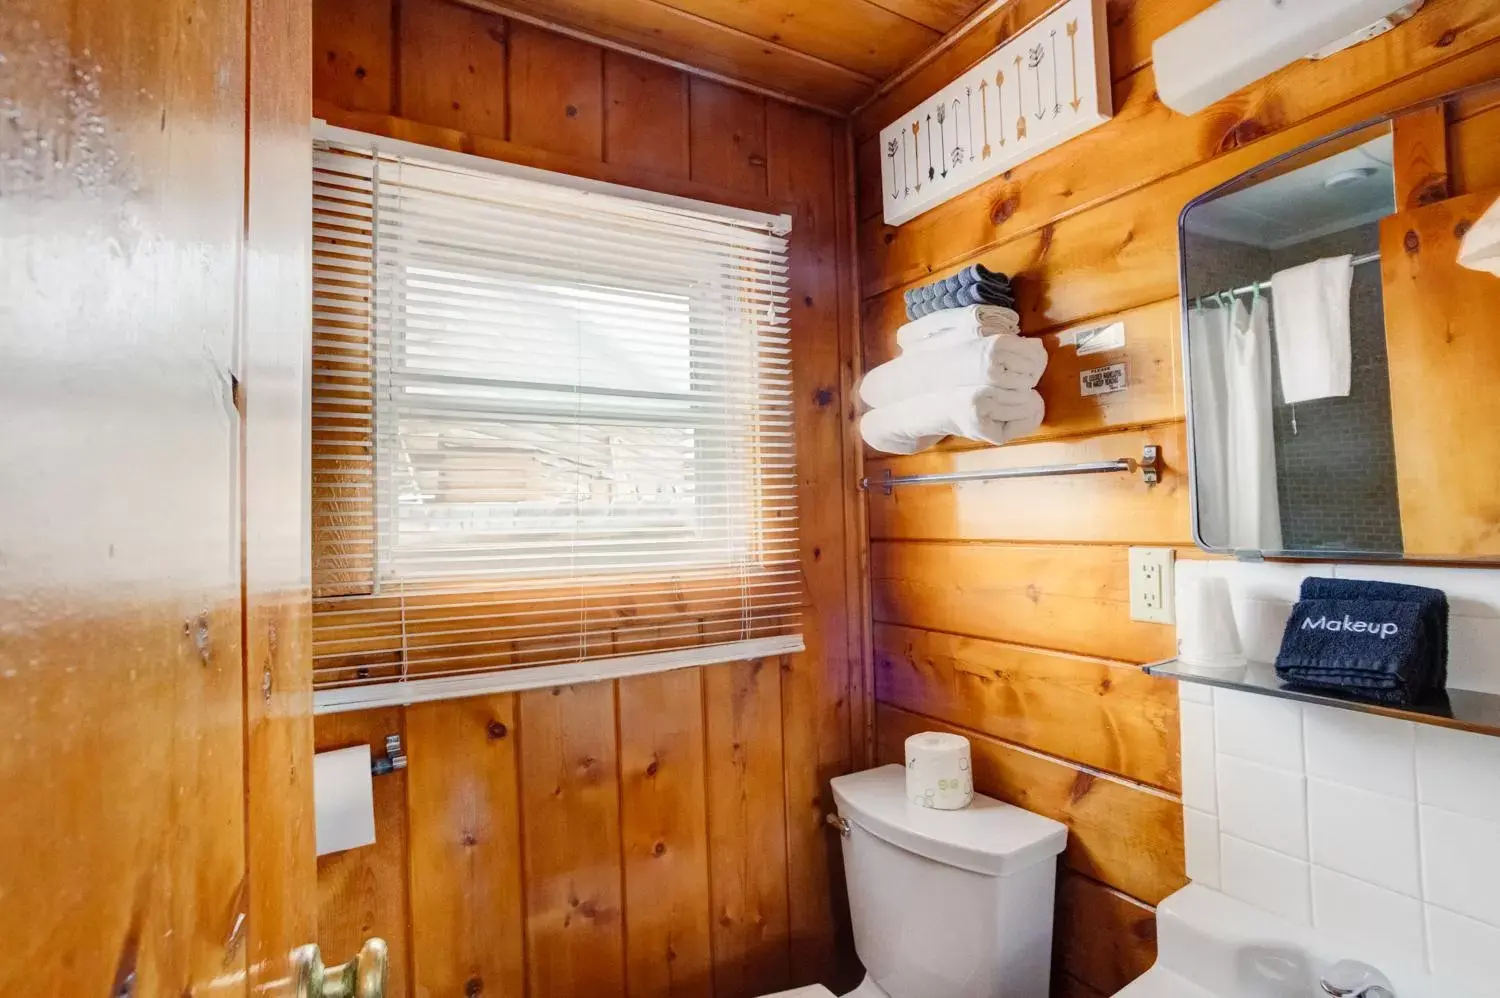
1210	945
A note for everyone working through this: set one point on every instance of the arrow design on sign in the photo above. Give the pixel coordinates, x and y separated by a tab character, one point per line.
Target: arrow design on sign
906	174
1021	100
1000	102
916	150
1056	93
1034	60
1073	44
931	170
969	115
942	116
984	115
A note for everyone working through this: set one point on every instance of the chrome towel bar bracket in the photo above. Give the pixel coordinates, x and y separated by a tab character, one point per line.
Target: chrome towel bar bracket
1149	466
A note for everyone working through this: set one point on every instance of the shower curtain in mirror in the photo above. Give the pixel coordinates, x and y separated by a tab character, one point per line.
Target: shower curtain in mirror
1233	433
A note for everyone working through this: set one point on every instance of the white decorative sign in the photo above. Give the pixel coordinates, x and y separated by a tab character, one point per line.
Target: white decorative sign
1047	84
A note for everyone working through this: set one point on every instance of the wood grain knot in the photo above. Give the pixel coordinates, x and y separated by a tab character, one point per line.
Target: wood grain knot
496	730
359	73
889	236
1082	784
757	160
1413	242
653	767
469	839
1448	38
1243	133
808	300
572	110
1003	211
473	987
1434	188
823	397
659	850
1462	228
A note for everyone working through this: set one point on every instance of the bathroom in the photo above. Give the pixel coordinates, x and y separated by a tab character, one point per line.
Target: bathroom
227	567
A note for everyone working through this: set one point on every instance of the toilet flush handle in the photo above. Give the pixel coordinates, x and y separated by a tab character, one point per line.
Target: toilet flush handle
1352	979
838	822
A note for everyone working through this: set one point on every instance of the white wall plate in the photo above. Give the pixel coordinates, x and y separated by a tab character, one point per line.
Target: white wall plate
1047	84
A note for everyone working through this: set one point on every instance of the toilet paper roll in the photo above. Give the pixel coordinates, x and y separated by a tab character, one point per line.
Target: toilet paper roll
938	771
343	799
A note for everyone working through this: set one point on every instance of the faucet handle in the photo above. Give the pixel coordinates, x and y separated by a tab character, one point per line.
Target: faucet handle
1352	979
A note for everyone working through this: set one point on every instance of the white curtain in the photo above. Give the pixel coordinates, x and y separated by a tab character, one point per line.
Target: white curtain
1233	432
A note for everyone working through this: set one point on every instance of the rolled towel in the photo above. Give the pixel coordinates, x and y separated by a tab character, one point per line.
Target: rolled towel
971	322
975	294
1378	649
993	415
1004	361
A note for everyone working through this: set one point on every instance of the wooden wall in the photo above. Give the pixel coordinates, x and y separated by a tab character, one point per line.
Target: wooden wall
1002	610
663	834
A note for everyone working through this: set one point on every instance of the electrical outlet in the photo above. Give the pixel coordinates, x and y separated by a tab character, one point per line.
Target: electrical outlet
1152	585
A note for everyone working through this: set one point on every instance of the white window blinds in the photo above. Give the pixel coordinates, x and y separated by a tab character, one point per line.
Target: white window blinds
552	429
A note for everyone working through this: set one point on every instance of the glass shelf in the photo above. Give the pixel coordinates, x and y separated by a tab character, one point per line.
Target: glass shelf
1467	710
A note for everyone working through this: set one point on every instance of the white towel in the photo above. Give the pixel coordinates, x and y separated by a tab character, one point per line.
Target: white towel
1311	303
1003	361
993	415
1481	247
970	322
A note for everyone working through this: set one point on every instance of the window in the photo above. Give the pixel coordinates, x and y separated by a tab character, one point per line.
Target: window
552	423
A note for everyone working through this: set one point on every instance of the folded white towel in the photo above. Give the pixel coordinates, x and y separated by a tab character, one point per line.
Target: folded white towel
1481	247
970	322
1311	304
1004	361
993	415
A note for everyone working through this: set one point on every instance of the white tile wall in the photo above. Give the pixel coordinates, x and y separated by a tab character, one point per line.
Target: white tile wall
1382	832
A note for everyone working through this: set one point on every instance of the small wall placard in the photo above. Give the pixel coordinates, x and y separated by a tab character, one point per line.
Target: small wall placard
1047	84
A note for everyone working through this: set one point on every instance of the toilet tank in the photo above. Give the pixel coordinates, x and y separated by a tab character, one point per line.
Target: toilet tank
948	904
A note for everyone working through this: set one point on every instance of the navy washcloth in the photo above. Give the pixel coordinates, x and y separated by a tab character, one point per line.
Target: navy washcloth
1375	648
1434	603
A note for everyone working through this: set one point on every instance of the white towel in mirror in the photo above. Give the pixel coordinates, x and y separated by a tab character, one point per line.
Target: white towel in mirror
1312	328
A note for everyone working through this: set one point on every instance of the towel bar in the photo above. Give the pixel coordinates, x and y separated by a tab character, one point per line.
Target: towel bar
1149	466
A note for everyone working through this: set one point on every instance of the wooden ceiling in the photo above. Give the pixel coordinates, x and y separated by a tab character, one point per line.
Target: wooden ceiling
831	54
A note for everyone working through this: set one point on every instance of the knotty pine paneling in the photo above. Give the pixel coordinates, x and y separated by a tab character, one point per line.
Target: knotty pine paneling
1118	508
1064	597
1002	609
556	92
453	67
1122	834
664	819
1104	714
463	807
645	115
1473	137
570	841
363	892
1147	143
690	805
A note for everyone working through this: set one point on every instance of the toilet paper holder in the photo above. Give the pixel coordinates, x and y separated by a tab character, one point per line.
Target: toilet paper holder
394	759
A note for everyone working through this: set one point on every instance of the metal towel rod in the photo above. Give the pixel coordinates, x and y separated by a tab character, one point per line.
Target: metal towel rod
1149	466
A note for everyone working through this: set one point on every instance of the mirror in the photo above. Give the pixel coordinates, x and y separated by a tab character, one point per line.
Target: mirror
1339	361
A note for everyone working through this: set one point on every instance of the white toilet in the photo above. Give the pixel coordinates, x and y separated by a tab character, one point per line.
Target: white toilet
945	904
